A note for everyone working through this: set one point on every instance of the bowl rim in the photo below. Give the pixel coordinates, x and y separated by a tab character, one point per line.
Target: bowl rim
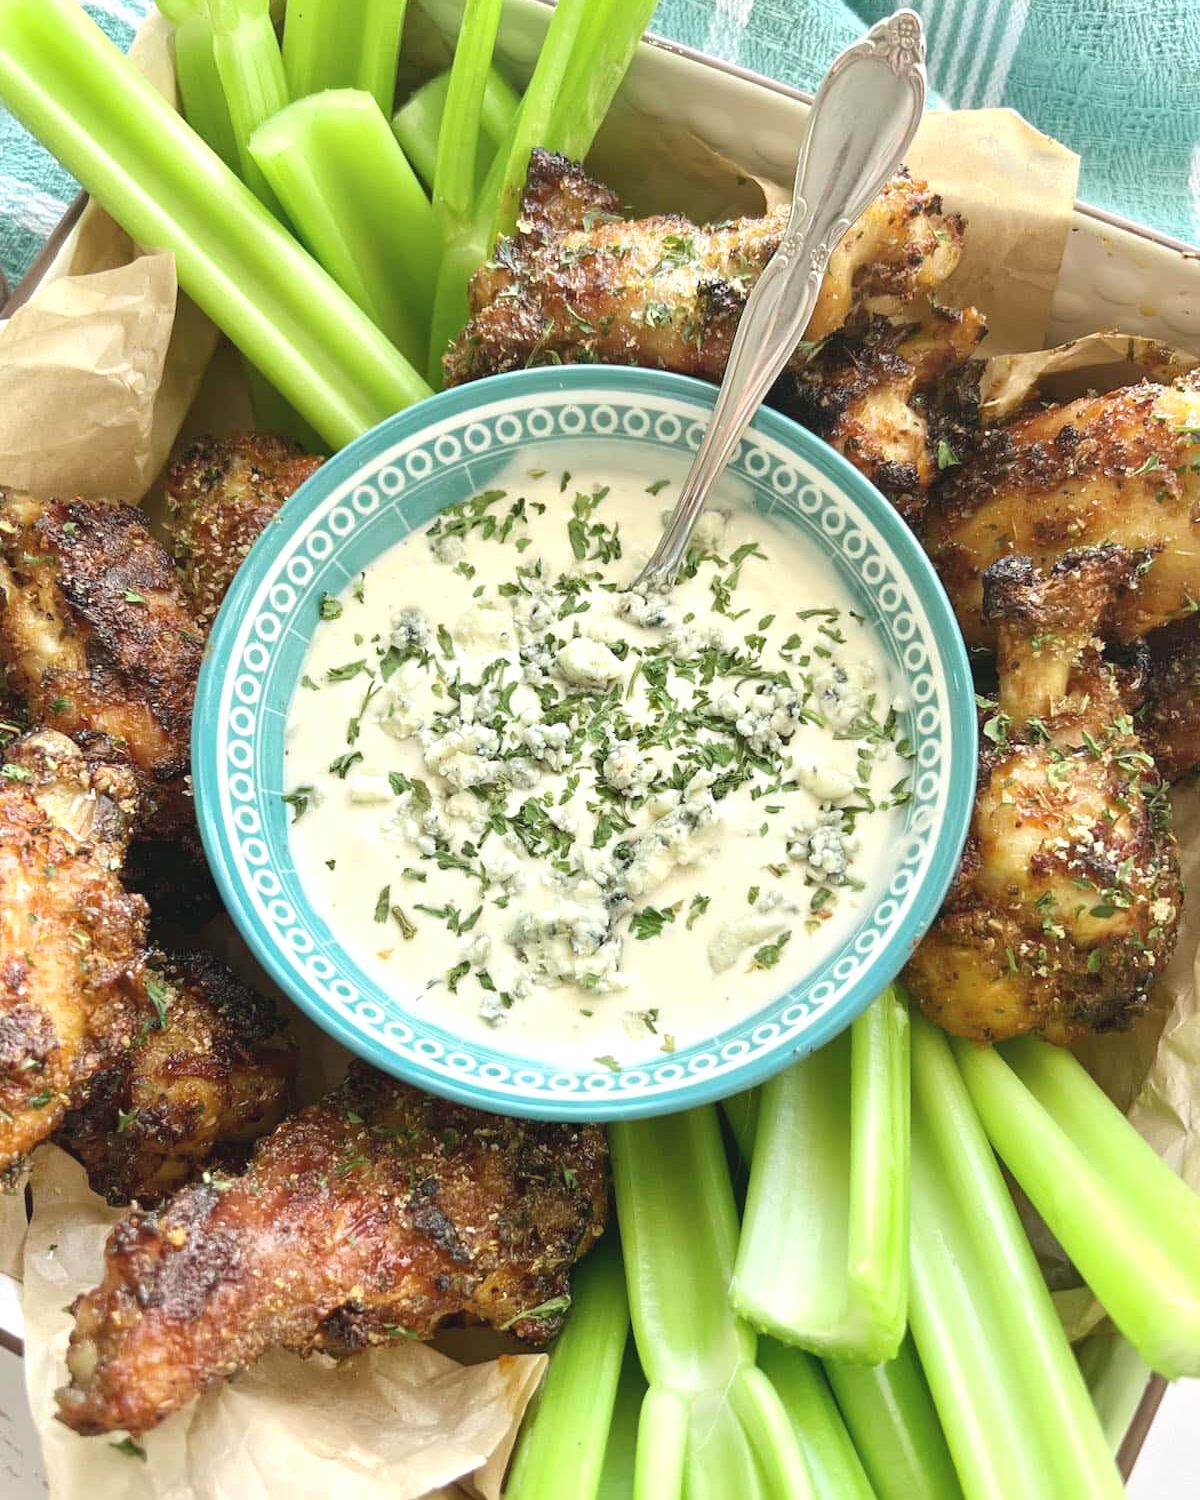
692	1089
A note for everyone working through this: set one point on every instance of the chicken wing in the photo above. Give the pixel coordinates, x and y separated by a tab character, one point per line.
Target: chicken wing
221	494
1066	905
898	401
376	1214
70	937
580	283
1123	467
96	638
209	1069
1169	720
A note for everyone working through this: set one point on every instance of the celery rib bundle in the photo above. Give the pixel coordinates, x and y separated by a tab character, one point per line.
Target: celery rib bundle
711	1423
1009	1393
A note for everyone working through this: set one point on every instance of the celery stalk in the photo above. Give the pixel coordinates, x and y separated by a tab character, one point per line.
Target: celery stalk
230	77
562	84
333	44
889	1415
1116	1376
418	123
356	203
710	1420
1012	1401
741	1115
111	130
458	138
566	1430
1128	1223
823	1259
200	91
598	63
837	1472
250	71
620	1453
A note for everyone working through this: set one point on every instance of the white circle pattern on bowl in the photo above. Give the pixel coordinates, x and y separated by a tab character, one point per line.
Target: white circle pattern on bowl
782	483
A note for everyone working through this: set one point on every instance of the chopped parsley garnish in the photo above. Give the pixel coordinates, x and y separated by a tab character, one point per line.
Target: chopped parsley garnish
650	921
769	954
297	801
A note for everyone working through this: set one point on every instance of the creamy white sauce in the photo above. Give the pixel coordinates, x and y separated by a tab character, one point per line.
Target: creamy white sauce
542	809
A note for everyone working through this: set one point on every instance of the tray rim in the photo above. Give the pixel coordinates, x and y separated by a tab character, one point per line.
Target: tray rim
1143	1417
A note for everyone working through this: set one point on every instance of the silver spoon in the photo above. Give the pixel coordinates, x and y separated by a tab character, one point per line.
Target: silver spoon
862	121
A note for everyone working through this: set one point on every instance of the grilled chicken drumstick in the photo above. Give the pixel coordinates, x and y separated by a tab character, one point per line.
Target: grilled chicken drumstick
580	283
1122	467
96	638
208	1073
377	1214
1066	904
70	936
222	492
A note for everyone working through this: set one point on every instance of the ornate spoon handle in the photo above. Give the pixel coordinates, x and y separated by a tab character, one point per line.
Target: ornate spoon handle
862	121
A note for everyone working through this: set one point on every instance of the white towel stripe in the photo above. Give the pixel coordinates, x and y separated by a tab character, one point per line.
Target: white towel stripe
969	33
131	15
727	28
964	97
1194	191
1013	30
28	208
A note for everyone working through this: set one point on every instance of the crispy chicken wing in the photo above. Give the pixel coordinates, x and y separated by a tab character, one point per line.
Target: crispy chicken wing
209	1068
96	638
70	937
1123	467
898	401
1066	905
580	283
378	1213
1169	722
222	493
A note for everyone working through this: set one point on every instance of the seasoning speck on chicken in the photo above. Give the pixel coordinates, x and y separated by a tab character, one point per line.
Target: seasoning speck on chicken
375	1215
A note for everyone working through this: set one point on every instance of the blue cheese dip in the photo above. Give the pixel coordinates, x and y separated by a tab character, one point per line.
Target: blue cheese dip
539	806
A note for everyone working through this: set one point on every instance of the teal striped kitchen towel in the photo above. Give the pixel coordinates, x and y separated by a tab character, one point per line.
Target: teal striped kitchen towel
1118	80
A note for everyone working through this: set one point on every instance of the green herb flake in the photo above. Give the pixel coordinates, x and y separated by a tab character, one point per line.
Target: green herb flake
946	456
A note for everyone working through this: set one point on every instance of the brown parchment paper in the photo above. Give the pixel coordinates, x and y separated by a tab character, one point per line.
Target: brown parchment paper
1098	361
100	367
122	362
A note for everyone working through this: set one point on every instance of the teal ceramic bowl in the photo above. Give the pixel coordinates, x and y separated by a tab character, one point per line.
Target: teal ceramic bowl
396	478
